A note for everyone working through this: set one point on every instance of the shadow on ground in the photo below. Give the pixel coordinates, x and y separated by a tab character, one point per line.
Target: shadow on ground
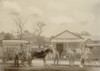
50	68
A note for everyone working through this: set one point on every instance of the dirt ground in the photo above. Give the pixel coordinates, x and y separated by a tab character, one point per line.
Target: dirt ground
38	66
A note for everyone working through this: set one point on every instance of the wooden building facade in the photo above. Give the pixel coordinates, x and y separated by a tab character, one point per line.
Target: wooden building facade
67	40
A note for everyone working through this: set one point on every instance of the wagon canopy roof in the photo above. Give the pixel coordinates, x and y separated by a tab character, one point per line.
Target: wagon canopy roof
15	41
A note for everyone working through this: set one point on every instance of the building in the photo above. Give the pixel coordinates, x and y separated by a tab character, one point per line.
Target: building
94	47
67	40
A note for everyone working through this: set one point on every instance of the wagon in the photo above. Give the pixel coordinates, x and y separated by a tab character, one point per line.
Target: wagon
11	46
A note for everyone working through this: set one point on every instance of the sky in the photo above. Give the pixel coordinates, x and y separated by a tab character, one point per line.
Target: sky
58	15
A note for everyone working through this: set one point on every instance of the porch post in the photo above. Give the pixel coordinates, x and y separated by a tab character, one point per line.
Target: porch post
67	46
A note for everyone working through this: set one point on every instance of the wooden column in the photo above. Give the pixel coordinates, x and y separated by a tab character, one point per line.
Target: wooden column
67	46
64	46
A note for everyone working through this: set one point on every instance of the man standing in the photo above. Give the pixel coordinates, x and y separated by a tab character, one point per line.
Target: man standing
56	56
16	59
83	58
71	57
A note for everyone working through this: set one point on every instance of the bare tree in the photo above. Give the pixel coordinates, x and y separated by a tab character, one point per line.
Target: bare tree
19	22
38	31
85	33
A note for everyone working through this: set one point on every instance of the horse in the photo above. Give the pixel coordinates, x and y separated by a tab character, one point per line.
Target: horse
41	55
35	54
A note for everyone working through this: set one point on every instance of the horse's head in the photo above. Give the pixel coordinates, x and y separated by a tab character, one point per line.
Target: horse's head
49	50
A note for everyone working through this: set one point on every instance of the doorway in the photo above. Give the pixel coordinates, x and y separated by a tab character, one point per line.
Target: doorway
60	48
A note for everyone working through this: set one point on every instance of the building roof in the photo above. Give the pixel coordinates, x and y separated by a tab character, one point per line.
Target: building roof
94	45
79	40
95	38
93	41
86	37
67	36
88	41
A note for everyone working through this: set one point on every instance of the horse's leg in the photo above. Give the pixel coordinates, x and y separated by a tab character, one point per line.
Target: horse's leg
22	62
44	60
30	61
54	61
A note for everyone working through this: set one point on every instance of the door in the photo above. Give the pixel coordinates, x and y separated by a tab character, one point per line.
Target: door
60	48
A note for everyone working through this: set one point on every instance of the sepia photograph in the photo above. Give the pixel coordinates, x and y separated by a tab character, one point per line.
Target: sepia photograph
49	35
